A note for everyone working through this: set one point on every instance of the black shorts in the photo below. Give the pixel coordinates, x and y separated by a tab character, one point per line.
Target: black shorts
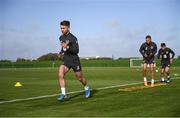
165	64
72	62
149	61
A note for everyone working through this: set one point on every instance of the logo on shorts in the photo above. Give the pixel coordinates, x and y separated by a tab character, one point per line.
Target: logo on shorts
164	56
152	47
78	67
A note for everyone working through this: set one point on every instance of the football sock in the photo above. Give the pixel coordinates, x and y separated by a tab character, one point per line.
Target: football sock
145	79
63	91
162	79
152	81
86	87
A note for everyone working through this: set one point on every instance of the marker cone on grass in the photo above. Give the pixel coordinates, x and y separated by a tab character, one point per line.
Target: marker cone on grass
18	84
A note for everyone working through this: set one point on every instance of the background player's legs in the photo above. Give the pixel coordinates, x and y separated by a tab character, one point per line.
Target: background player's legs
162	74
152	74
62	71
144	74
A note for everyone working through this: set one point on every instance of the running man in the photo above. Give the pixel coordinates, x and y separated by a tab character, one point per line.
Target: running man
148	51
166	56
70	50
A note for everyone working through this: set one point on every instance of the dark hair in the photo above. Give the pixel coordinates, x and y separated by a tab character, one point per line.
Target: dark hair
163	44
148	36
65	22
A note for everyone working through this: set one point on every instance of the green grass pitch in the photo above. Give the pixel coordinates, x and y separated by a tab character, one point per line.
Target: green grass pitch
157	101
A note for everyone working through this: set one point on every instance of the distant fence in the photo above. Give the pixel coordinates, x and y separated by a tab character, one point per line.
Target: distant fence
85	63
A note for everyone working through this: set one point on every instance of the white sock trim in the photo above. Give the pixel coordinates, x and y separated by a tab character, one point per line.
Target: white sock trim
162	79
63	91
86	87
145	79
152	81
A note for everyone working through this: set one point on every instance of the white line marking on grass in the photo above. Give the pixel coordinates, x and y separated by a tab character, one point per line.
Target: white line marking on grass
73	92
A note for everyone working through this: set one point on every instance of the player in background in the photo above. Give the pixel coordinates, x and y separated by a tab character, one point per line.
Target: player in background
70	50
148	51
166	56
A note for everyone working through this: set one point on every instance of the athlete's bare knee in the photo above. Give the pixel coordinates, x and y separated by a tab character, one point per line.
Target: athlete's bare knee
152	69
167	70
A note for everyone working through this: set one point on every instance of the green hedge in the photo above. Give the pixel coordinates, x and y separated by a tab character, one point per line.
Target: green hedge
85	63
105	63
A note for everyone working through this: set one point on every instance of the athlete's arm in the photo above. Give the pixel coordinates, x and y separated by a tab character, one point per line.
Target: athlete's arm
141	50
64	46
73	47
172	52
154	50
159	54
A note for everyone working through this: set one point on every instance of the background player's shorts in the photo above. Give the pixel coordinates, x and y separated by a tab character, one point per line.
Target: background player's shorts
165	64
73	62
149	61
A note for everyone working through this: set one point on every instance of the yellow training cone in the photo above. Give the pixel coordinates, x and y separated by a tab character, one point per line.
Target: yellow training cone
18	84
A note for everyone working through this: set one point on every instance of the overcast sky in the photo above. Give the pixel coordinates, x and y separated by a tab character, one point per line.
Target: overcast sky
30	28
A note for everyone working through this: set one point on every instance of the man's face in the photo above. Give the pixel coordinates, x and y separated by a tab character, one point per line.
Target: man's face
163	47
148	40
64	29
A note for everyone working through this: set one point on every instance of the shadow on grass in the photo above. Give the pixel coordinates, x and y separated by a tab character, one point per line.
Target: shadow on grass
1	99
93	92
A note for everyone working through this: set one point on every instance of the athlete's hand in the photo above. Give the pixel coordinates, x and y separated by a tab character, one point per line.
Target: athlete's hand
65	45
171	61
